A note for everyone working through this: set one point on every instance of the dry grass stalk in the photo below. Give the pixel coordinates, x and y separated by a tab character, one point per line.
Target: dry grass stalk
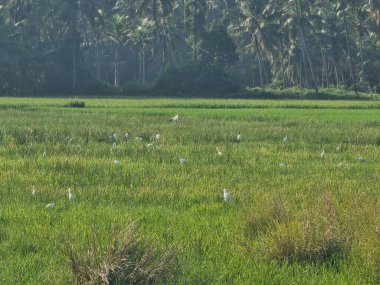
127	261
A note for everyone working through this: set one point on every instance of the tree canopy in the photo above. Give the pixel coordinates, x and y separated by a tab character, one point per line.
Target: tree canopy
83	45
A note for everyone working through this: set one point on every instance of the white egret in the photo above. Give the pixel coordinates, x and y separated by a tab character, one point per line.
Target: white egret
238	137
219	152
116	161
127	135
226	196
44	153
149	144
155	138
285	140
322	153
33	190
282	164
361	159
114	136
183	160
50	205
339	147
114	145
175	119
340	164
71	196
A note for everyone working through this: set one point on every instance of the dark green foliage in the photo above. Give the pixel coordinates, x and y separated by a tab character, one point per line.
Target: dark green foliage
194	79
65	46
97	88
217	48
76	103
135	88
299	93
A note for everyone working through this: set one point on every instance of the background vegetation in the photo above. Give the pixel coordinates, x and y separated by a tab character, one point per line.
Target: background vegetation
296	216
179	47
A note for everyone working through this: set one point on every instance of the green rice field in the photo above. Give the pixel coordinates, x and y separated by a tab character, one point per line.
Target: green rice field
304	182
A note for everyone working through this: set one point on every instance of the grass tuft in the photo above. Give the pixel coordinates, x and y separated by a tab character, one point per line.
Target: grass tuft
314	236
273	210
76	103
127	260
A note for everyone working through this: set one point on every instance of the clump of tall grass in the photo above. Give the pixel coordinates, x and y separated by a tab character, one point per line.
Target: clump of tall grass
76	103
273	210
369	233
127	260
313	235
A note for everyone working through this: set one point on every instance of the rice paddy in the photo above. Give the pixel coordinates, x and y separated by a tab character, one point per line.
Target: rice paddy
294	216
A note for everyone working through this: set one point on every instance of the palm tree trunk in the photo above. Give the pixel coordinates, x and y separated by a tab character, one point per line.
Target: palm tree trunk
303	44
143	64
348	51
98	75
308	60
116	66
163	39
336	74
261	72
303	63
74	78
282	64
261	66
74	49
253	76
195	55
361	47
323	69
140	64
300	71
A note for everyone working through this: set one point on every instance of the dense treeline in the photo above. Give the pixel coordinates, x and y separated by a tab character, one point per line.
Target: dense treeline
178	45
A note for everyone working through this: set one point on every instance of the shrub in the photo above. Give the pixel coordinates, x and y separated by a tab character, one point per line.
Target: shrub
273	210
301	93
76	103
127	260
135	88
98	88
315	236
312	240
194	79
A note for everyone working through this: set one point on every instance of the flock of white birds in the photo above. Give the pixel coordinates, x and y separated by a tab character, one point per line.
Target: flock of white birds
155	139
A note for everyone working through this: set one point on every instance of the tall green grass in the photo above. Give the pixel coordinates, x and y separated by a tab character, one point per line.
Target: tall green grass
309	220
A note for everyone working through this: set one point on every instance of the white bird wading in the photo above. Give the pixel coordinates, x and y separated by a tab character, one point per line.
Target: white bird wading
71	196
226	196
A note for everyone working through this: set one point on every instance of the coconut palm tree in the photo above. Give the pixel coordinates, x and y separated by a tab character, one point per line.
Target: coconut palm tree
70	13
158	11
259	22
194	23
142	35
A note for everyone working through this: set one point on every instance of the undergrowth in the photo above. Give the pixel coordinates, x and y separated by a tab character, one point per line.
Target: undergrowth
313	235
128	259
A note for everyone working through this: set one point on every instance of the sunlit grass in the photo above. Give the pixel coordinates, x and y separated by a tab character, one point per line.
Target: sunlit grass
311	220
